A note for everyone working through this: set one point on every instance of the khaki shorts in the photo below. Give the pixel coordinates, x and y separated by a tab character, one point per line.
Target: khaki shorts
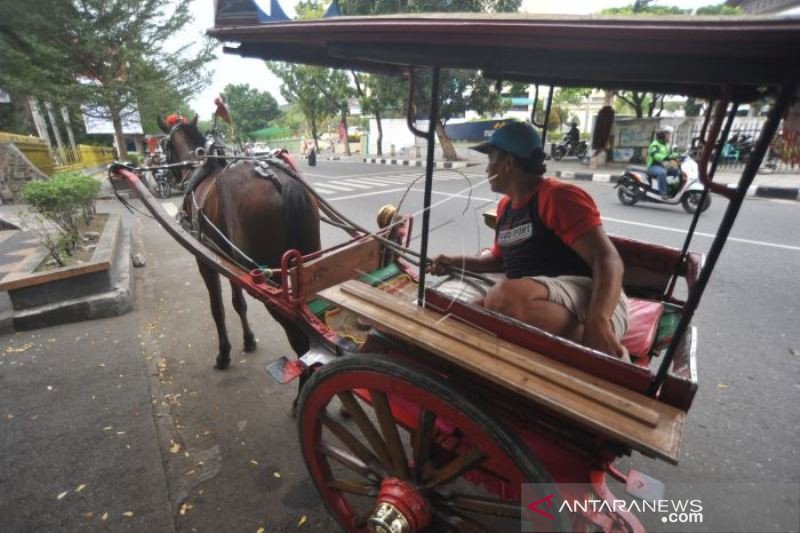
574	293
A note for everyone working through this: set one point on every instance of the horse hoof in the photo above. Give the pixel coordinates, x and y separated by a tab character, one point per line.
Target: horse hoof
222	364
250	344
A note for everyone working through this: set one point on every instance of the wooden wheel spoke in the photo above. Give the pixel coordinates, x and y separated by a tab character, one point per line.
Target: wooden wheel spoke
355	446
487	506
460	522
454	469
380	403
347	460
353	487
423	438
366	427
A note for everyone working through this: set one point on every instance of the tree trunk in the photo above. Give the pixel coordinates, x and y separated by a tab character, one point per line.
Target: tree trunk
346	139
118	135
379	140
448	150
314	134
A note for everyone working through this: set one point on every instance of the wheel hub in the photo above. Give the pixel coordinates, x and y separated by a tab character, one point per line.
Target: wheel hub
400	508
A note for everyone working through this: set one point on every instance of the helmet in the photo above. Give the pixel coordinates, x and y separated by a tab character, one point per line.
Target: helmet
665	129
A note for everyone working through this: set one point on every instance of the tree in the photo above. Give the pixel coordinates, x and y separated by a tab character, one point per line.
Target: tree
106	54
380	96
645	7
250	108
459	90
300	86
642	103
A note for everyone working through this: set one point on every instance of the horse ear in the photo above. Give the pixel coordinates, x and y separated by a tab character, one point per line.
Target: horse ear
194	122
162	124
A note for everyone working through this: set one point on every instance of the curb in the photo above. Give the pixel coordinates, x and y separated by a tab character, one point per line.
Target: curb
414	162
761	191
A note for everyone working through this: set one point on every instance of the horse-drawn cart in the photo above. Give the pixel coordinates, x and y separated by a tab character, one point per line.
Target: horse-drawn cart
451	407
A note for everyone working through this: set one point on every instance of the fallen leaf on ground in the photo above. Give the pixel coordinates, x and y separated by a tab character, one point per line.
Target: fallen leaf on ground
260	530
80	487
254	461
108	428
185	508
276	474
722	386
61	496
87	515
128	514
174	447
104	517
302	521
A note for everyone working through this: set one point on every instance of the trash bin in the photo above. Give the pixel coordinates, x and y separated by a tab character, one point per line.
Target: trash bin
312	158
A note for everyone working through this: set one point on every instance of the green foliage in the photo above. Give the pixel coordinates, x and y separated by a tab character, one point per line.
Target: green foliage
646	7
65	200
109	54
301	86
719	9
250	108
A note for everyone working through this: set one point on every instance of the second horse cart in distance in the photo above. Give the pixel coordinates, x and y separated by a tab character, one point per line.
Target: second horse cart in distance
452	408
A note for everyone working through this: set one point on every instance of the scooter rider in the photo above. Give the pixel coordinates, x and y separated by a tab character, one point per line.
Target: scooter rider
658	153
573	135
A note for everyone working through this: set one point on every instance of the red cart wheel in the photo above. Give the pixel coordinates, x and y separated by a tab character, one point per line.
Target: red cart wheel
414	455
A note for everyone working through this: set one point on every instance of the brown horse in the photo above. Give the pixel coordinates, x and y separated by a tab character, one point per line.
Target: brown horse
262	216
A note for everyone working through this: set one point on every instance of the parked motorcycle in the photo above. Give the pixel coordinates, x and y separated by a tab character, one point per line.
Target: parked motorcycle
160	181
562	149
636	185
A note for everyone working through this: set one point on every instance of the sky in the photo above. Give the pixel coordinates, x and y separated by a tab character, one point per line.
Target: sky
232	69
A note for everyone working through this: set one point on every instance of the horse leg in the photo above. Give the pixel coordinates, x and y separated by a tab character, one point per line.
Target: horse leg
240	304
211	280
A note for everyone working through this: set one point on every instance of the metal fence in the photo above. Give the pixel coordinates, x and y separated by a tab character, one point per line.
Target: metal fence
740	144
50	161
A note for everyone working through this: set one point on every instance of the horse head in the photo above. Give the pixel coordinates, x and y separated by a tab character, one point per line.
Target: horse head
184	142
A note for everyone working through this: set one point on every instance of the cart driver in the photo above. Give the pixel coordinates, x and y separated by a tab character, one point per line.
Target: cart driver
563	273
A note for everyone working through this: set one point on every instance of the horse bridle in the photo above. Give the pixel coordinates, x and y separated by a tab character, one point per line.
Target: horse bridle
182	172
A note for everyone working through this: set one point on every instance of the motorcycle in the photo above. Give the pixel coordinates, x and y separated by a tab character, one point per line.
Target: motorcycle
636	185
160	182
566	148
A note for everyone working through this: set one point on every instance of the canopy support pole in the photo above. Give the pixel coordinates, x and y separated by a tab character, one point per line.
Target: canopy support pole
736	199
547	115
433	119
696	218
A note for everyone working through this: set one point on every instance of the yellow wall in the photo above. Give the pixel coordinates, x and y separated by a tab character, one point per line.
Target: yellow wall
37	151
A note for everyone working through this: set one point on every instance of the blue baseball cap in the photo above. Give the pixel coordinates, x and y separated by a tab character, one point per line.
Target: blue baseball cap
518	138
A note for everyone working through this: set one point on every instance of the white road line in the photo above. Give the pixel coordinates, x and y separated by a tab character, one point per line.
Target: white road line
371	174
701	234
365	194
354	183
392	181
329	185
170	208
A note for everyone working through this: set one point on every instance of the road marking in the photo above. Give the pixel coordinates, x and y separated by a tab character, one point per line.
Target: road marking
354	183
329	185
391	181
701	234
371	174
170	208
365	194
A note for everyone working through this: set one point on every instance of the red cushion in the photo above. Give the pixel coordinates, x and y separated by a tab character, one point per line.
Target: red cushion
643	317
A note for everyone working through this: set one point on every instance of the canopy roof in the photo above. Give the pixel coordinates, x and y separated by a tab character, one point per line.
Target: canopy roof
687	55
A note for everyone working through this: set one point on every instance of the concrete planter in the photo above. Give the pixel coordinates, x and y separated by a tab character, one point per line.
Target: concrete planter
100	288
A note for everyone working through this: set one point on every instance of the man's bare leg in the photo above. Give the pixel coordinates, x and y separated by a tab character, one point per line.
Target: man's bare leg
527	301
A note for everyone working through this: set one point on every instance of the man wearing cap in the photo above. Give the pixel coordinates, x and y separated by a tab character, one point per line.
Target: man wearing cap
563	273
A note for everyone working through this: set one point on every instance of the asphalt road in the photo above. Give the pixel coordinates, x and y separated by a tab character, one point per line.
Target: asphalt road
191	448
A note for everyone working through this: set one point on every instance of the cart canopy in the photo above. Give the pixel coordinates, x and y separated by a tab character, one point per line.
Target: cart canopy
698	56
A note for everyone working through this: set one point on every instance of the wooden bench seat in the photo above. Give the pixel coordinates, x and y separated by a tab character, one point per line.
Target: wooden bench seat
618	413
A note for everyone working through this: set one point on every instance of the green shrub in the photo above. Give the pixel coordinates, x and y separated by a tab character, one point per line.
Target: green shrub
354	138
64	200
